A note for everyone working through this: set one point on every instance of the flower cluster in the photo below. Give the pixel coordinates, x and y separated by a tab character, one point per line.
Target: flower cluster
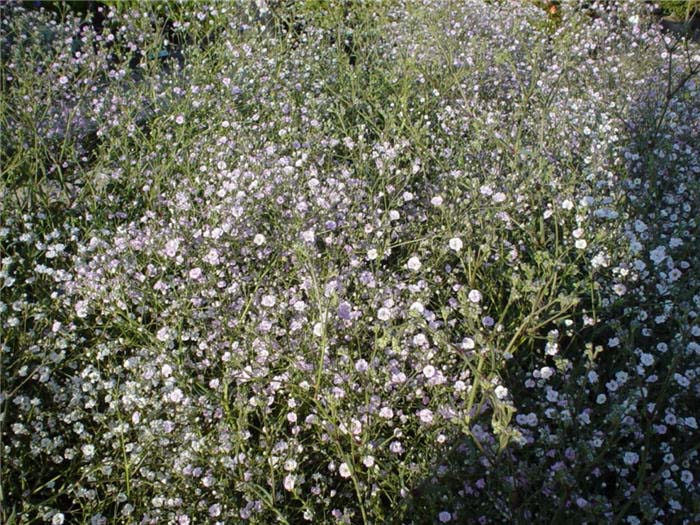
400	263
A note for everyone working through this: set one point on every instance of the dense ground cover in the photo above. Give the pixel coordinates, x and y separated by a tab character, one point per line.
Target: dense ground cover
397	262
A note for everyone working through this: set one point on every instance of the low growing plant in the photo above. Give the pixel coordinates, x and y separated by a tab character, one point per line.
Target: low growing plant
399	263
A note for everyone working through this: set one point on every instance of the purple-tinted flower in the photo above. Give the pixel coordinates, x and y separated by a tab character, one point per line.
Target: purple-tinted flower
344	310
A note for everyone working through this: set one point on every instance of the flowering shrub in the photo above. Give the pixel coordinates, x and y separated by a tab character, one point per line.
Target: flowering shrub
338	264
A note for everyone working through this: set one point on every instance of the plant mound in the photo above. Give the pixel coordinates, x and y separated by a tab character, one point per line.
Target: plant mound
338	263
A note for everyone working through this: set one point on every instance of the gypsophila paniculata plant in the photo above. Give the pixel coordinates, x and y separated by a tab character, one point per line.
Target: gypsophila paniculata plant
340	262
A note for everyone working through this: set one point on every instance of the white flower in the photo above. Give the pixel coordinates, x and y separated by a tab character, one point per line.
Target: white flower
417	307
368	461
384	314
176	395
58	518
171	247
259	239
268	301
456	244
475	296
344	470
212	257
361	365
581	244
647	359
658	254
567	204
299	306
163	334
309	236
420	340
429	371
546	372
396	447
81	309
372	254
289	481
386	413
426	415
195	273
501	392
631	458
687	477
180	120
414	264
601	259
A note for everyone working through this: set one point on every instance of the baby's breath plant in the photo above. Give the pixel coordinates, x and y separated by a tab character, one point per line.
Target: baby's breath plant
333	262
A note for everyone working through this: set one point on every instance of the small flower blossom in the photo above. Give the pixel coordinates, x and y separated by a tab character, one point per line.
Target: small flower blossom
289	482
384	314
631	458
456	244
361	365
344	470
414	264
425	415
176	396
658	254
386	413
475	296
396	447
171	247
501	392
163	334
